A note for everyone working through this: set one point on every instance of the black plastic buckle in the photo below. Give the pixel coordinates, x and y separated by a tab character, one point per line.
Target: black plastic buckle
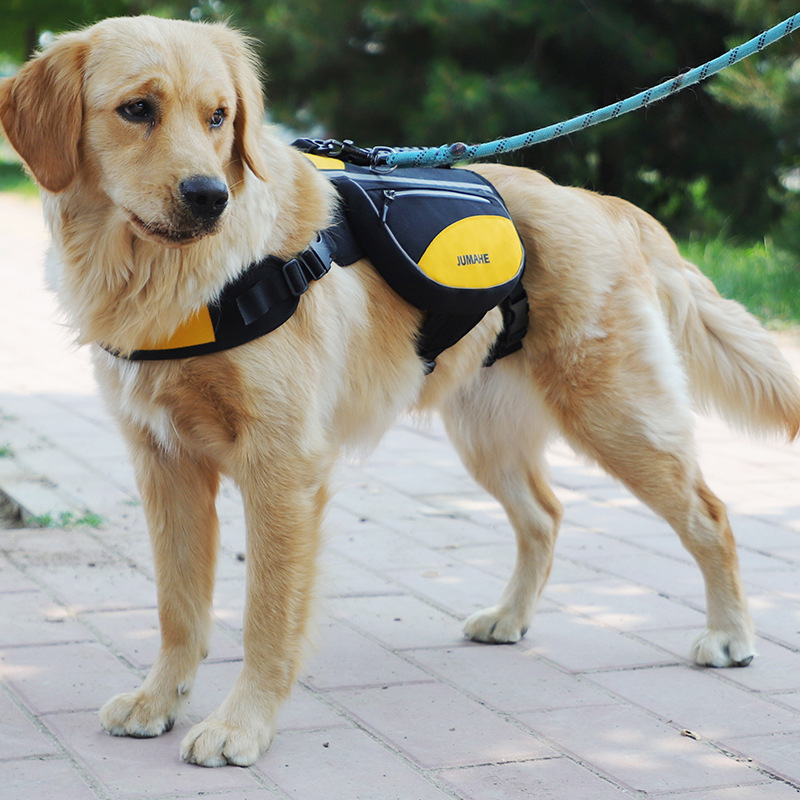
314	264
309	266
295	277
516	312
516	317
317	259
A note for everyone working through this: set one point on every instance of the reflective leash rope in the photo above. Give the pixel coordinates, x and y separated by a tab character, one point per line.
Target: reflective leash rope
387	157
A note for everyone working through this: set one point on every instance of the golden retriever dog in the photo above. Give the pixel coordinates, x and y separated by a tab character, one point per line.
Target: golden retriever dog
626	337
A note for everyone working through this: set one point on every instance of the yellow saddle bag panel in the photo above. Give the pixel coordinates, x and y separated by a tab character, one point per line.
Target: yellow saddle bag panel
324	163
196	330
473	253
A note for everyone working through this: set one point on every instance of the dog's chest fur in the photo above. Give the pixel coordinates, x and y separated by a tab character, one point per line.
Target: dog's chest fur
122	379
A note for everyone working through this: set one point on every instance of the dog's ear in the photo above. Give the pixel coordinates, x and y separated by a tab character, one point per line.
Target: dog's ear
41	110
245	69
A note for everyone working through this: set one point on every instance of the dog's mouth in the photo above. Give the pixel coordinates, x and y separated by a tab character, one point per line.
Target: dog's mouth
171	235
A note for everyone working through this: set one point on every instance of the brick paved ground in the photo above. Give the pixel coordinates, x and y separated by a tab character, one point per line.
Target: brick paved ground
597	702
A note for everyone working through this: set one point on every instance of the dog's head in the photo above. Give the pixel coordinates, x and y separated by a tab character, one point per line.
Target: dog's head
161	116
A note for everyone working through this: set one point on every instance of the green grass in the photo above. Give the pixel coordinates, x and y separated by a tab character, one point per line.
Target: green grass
763	278
66	519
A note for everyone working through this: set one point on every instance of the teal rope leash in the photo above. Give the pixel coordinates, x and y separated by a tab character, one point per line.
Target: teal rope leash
449	154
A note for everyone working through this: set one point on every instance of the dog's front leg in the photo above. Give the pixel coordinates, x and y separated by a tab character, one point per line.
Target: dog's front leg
178	495
283	513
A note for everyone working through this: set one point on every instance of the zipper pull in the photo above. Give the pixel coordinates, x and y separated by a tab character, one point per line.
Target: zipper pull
388	196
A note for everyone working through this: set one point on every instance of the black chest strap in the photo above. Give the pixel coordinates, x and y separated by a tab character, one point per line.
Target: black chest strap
255	303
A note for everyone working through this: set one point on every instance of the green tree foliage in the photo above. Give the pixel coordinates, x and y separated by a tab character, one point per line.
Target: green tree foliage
25	20
767	87
423	72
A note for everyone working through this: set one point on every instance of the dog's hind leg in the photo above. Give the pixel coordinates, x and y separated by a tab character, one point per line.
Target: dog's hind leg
178	495
630	413
500	430
672	485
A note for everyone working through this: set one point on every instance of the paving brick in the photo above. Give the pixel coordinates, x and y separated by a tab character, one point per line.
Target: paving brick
791	699
477	507
776	790
510	679
618	522
32	547
378	546
455	587
378	501
398	621
13	580
443	529
82	586
343	764
33	618
544	779
63	677
43	779
637	751
596	549
776	612
135	634
580	644
777	753
699	700
19	737
498	559
757	534
345	658
339	577
410	475
671	577
437	727
261	793
623	605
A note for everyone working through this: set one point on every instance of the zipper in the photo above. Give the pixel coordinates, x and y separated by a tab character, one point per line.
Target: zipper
390	195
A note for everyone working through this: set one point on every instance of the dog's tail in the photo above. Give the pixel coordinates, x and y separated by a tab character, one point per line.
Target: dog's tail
733	364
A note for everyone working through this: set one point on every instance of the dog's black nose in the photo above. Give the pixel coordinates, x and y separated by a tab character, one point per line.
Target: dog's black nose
206	197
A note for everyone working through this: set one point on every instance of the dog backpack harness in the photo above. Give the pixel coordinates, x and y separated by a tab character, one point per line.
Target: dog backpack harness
441	238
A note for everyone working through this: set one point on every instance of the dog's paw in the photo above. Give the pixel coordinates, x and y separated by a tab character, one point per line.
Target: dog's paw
137	714
715	648
496	625
217	742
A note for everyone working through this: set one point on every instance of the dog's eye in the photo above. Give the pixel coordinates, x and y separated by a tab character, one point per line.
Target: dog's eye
217	118
138	111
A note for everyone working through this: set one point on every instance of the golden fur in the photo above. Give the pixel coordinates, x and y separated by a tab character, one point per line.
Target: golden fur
624	335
